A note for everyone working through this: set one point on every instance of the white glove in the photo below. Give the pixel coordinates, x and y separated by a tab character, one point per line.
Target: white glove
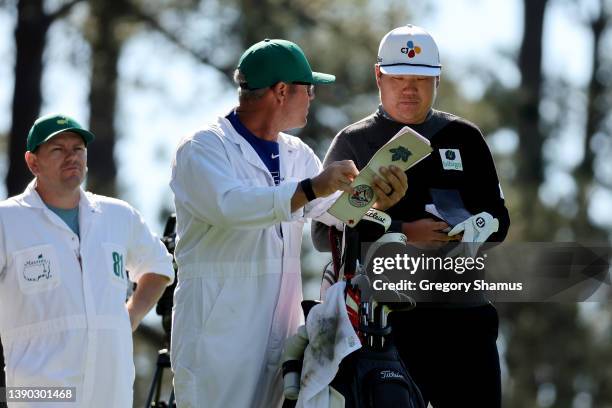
476	230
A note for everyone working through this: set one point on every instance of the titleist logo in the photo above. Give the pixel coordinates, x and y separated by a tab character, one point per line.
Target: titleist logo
374	215
390	374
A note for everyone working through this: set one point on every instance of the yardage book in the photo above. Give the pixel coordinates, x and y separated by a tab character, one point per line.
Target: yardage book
404	150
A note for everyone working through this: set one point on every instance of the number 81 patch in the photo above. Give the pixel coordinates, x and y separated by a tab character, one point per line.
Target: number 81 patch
115	260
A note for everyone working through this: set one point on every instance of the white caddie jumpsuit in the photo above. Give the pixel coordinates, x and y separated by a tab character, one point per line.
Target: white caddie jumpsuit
63	320
239	286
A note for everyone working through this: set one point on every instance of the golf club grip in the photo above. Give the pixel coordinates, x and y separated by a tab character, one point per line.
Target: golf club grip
352	251
335	244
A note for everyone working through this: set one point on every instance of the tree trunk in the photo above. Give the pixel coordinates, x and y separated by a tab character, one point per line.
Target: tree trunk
105	49
254	17
596	114
530	65
32	26
596	111
530	174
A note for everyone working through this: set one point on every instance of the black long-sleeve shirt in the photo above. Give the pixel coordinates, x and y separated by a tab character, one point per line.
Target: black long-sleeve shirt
460	161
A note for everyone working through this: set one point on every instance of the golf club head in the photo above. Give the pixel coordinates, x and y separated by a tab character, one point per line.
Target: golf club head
372	311
387	238
362	282
407	300
384	314
405	303
389	296
365	310
385	310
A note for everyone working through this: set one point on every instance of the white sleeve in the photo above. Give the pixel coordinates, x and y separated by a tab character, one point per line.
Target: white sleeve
146	253
204	182
317	209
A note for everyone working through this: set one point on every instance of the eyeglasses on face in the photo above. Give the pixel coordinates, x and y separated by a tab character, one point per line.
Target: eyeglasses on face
310	88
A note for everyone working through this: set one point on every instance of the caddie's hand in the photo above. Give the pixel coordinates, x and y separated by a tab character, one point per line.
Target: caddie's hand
391	188
427	233
337	176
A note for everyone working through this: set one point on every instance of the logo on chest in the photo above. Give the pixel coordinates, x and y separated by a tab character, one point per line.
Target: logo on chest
37	269
451	159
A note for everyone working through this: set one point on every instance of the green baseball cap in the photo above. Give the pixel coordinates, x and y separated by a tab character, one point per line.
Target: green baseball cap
271	61
49	126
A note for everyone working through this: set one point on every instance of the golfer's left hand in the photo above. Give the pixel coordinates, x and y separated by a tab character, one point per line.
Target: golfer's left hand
391	188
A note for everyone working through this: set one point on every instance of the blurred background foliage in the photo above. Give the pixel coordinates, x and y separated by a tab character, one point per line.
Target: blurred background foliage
553	355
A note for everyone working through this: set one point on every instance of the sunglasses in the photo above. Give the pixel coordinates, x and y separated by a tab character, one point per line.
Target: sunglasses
309	87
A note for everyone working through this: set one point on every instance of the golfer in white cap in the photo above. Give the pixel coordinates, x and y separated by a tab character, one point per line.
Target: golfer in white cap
448	345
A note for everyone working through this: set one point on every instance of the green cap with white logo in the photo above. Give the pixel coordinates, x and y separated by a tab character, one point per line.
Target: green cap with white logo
271	61
46	127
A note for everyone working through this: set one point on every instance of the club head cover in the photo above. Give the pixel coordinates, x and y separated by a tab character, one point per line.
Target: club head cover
388	238
373	225
364	285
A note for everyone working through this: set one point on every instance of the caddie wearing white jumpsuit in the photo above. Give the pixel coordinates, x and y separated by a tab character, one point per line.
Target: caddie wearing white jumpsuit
63	315
243	190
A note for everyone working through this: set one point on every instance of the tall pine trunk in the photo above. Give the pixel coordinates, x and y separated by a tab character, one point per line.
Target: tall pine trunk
105	50
30	33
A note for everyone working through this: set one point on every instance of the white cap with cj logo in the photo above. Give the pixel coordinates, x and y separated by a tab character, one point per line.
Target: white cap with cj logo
409	50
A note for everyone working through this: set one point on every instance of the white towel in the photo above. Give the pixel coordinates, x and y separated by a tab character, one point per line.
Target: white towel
331	338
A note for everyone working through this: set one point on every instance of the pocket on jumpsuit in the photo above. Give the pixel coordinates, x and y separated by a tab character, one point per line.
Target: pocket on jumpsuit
195	300
38	269
115	257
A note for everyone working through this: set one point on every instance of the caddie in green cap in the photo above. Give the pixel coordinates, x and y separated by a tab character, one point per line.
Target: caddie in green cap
49	126
243	189
57	155
271	61
64	257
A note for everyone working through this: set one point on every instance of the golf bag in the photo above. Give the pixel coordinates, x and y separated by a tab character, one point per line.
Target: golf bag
374	375
376	378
